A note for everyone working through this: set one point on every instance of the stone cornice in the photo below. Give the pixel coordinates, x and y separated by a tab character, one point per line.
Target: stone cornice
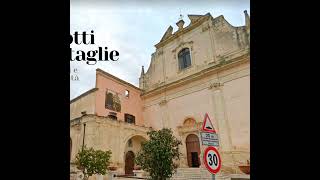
102	119
198	75
112	77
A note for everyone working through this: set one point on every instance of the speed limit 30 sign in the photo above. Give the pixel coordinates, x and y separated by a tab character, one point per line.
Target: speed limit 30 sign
212	159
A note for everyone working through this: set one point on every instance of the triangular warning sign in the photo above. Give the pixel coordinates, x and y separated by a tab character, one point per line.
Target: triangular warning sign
207	124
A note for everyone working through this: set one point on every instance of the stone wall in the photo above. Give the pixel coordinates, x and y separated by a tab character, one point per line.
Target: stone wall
131	105
224	94
105	134
83	103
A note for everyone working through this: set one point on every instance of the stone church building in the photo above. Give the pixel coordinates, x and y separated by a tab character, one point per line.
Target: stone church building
201	68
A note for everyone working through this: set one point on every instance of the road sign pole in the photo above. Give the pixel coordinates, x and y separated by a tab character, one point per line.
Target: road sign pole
211	157
201	151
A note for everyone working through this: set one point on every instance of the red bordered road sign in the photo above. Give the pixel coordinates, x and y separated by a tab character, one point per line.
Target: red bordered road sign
207	125
212	159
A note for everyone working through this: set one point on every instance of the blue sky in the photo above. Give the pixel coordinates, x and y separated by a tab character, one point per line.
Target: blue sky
133	29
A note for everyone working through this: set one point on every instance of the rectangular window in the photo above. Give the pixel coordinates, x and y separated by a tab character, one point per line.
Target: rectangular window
129	118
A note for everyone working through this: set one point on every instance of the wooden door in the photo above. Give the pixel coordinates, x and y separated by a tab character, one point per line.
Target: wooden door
129	163
193	150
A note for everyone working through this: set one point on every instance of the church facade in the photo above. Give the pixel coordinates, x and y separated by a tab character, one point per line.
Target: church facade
201	68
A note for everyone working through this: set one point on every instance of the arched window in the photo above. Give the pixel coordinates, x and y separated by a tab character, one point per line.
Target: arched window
109	101
184	58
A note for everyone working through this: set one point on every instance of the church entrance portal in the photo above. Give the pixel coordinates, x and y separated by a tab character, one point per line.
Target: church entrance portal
193	150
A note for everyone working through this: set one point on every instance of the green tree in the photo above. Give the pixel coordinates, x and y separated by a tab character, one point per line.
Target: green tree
157	155
91	161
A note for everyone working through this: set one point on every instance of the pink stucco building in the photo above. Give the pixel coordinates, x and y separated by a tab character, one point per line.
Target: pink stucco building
127	94
111	97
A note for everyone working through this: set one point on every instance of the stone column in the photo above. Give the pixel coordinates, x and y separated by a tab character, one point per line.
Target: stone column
183	150
165	116
220	116
225	141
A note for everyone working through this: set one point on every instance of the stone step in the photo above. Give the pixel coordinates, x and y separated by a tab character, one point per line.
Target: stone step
190	174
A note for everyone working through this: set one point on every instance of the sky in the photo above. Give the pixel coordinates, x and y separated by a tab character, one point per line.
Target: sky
133	29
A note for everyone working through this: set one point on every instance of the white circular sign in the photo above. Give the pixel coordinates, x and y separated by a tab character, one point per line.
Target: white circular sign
212	159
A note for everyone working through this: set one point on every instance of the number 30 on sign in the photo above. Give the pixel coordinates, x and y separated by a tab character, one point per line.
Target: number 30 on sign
212	159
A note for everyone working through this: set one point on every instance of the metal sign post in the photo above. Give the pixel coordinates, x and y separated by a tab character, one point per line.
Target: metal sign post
209	138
